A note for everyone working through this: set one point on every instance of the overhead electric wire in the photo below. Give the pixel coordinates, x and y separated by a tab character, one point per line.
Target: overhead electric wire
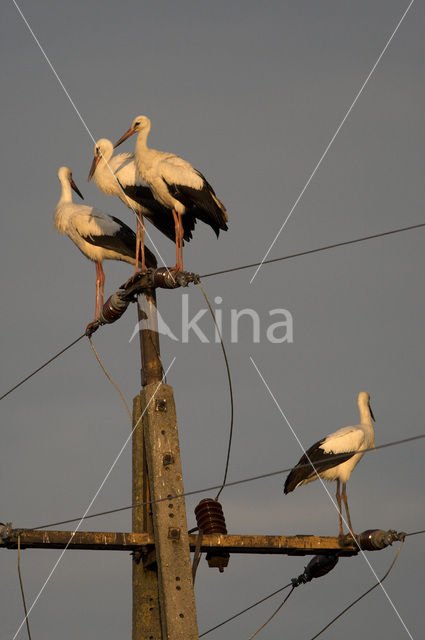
110	379
363	594
71	344
305	253
273	615
236	615
415	533
229	378
246	266
228	484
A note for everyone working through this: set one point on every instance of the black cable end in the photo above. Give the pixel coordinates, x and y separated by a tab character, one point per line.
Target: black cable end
317	567
91	328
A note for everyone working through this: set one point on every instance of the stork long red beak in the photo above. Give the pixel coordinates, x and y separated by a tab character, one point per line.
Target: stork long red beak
76	189
124	136
93	167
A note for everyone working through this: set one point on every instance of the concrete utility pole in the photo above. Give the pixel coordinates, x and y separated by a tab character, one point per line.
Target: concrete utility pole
163	596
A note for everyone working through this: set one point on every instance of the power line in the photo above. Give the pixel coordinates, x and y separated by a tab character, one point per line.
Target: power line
229	379
245	610
363	595
114	384
246	266
273	614
71	344
218	486
325	248
415	533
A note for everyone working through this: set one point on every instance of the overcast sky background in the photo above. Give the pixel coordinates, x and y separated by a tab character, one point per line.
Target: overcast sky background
251	93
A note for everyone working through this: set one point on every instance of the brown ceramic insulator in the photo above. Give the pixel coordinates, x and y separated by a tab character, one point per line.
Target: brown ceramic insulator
113	309
210	517
374	539
162	277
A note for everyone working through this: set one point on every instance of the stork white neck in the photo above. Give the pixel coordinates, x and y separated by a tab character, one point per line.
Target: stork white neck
107	150
364	408
142	137
64	179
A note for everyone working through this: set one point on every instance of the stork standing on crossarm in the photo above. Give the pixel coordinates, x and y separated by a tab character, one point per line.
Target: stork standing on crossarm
98	235
335	457
175	184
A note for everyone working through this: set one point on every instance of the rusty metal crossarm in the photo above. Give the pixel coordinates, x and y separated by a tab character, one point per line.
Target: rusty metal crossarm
283	545
101	540
116	541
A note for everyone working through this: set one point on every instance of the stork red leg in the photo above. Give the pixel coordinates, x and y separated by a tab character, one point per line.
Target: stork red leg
96	312
344	497
177	231
102	283
137	244
142	243
338	499
181	233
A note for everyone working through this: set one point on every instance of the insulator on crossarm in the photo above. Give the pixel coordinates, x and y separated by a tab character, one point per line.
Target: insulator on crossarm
210	519
317	567
166	279
375	539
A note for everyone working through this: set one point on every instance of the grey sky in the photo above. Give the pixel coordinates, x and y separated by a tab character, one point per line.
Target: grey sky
250	93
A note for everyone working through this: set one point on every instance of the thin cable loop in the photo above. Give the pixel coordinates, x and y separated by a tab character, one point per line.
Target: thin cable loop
245	610
110	379
208	489
273	615
229	377
22	588
363	594
42	366
305	253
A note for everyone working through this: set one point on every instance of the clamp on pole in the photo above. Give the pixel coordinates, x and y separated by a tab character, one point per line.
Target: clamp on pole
117	303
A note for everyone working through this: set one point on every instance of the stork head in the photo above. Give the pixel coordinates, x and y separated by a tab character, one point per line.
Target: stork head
65	175
102	149
364	401
141	123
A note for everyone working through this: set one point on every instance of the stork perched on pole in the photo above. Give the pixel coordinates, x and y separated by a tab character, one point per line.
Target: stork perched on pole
98	235
335	456
175	184
118	176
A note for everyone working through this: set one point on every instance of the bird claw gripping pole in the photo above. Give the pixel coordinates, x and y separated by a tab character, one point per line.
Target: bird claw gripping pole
118	302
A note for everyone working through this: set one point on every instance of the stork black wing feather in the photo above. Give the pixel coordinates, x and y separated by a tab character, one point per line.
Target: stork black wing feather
201	203
321	460
160	216
124	242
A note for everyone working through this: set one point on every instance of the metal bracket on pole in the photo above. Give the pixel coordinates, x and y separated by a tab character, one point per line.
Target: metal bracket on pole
142	282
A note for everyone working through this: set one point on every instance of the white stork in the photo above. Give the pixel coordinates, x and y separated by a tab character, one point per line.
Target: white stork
118	176
98	235
335	457
175	184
